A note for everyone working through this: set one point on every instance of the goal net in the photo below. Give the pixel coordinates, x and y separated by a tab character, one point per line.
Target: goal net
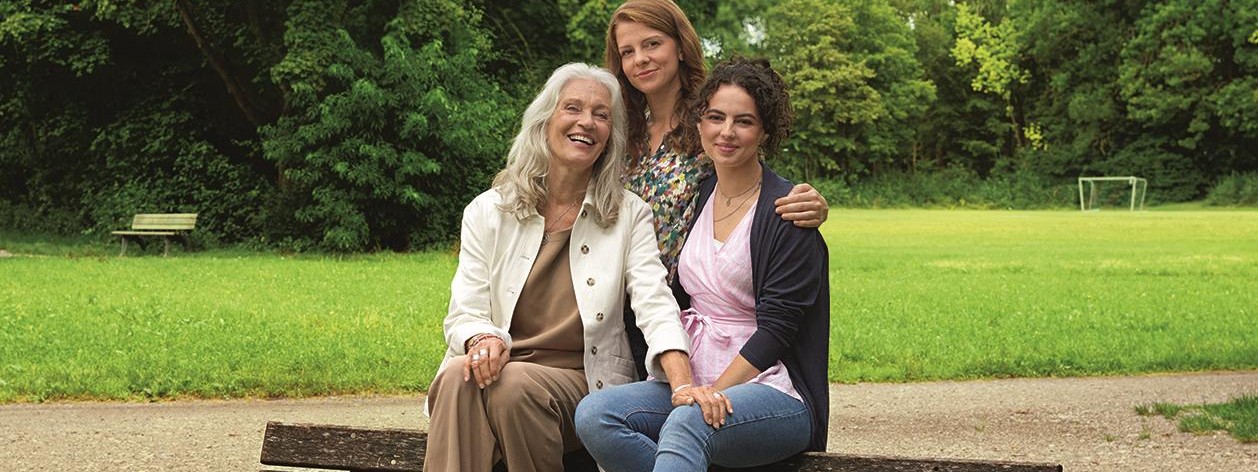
1127	193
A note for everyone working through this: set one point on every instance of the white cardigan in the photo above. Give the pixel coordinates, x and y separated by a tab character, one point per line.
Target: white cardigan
496	255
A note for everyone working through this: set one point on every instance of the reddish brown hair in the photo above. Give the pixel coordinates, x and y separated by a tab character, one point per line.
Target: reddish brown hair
667	17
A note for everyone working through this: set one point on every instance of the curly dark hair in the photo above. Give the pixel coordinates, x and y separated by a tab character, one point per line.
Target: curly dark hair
757	77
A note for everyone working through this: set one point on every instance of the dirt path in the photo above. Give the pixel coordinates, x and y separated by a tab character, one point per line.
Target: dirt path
1085	424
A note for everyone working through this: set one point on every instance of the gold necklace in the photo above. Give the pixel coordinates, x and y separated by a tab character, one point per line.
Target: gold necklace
550	228
740	204
744	192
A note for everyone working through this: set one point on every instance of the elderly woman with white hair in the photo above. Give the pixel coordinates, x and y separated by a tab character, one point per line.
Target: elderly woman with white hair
547	257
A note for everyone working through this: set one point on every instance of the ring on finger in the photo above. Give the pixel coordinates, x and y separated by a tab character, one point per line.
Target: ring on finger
483	352
717	395
475	357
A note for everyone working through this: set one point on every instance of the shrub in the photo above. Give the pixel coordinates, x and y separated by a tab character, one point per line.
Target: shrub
17	216
951	187
385	143
151	160
1235	189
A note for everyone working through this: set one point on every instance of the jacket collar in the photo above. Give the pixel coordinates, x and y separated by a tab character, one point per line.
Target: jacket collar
587	203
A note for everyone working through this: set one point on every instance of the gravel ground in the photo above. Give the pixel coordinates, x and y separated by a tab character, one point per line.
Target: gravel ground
1086	424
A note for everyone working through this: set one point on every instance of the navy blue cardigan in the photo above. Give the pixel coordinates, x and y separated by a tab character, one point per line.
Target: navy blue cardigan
790	275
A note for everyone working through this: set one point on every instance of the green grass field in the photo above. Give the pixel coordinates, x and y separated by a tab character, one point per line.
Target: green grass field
206	325
961	294
917	294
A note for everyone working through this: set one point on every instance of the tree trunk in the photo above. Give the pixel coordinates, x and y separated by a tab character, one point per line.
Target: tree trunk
235	86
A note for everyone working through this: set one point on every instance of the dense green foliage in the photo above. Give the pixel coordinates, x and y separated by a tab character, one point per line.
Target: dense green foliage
855	84
335	125
382	140
951	187
1235	189
1164	90
916	295
350	125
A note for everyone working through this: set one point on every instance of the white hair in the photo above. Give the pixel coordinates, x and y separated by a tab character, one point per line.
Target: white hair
523	181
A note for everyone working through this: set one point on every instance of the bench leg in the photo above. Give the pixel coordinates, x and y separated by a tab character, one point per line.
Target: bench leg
124	246
166	246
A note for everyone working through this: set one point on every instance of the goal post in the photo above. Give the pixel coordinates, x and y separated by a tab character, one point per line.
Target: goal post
1139	188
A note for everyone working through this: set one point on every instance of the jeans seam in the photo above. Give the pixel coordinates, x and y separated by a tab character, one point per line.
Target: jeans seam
643	410
707	441
768	417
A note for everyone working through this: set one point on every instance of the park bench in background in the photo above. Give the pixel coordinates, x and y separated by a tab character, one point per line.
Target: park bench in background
166	225
401	450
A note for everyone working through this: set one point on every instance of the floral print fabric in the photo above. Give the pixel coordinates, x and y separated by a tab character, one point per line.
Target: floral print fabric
668	181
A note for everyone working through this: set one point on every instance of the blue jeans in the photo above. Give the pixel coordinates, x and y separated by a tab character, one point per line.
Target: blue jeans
634	427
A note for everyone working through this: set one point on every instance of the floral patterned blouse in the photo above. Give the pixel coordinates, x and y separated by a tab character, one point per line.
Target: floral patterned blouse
669	182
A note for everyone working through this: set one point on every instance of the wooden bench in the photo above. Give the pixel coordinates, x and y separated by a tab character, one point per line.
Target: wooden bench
402	450
166	225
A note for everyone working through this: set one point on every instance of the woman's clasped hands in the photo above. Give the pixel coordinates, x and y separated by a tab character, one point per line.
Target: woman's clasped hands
486	354
715	405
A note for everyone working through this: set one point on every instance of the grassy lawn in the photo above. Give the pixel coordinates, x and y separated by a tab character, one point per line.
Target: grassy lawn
960	294
917	294
219	325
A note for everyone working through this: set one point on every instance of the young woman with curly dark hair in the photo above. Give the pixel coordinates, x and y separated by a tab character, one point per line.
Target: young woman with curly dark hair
755	299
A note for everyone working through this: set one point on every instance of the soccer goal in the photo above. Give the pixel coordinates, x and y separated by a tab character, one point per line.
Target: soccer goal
1112	191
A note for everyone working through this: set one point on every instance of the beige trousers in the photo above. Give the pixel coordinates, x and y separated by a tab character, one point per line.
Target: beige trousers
524	419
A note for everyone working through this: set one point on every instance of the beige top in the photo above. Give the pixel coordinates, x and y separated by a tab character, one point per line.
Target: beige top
547	325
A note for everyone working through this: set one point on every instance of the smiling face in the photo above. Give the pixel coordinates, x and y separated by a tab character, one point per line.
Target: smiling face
650	58
580	126
730	128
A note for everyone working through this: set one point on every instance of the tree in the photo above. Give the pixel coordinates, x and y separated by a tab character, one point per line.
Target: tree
387	138
993	50
810	43
887	46
732	27
531	39
962	127
42	112
1189	74
856	85
1072	93
332	124
108	113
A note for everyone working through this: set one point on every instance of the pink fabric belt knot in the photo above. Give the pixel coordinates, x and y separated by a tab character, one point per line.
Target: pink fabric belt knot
701	326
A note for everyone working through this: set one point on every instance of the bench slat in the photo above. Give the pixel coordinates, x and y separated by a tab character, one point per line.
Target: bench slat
343	448
164	221
399	450
143	233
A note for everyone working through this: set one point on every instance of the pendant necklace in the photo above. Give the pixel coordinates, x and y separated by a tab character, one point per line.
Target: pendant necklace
729	198
548	228
740	204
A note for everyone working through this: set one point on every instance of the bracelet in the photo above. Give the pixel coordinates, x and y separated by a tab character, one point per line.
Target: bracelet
681	387
478	338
